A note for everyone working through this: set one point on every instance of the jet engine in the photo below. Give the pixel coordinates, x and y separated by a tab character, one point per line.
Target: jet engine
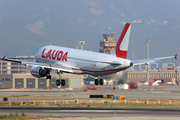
38	72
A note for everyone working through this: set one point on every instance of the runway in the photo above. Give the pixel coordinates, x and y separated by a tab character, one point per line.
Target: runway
99	112
143	92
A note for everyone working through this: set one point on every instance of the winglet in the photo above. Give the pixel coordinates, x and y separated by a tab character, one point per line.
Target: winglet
175	56
4	58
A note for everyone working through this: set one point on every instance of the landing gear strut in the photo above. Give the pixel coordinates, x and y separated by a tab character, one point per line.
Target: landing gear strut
60	81
99	81
48	76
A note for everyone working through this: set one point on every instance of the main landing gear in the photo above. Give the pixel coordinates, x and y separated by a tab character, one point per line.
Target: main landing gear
60	81
99	81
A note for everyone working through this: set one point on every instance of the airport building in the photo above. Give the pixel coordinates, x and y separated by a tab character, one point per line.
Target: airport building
141	67
168	74
27	81
15	68
12	68
108	43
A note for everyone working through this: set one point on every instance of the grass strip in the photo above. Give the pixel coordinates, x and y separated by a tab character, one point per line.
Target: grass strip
22	96
28	117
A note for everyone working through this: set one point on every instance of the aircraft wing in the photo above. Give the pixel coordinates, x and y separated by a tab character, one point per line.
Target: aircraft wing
151	60
51	66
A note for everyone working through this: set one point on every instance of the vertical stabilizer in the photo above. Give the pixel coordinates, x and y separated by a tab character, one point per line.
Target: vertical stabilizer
122	44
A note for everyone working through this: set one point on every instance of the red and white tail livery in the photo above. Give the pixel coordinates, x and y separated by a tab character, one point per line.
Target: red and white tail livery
122	45
68	60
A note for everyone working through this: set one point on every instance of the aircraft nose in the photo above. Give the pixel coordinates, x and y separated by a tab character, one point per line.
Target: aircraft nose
131	63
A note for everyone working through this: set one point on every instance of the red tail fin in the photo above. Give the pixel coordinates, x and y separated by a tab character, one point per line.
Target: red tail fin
122	44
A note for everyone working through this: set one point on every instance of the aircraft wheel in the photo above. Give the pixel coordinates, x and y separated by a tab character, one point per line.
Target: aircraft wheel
63	82
101	82
96	82
58	82
48	76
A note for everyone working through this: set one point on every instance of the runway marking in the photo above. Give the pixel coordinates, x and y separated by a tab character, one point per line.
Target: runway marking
86	111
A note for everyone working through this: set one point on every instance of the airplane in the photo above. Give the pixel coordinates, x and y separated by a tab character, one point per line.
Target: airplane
75	61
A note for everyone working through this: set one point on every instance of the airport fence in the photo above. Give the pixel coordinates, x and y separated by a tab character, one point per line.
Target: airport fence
89	102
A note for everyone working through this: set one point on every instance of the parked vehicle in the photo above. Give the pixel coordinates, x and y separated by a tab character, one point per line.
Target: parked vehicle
133	85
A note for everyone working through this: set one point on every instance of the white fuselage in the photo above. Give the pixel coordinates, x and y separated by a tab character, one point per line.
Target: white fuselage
81	61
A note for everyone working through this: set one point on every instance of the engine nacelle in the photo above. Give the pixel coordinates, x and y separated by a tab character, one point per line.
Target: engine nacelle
38	72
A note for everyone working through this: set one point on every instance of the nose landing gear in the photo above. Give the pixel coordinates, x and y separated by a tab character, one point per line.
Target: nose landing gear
48	76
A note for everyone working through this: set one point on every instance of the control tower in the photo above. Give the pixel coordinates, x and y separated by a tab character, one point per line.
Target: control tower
108	43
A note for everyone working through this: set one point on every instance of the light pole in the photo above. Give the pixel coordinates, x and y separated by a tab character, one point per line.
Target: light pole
147	41
177	82
133	55
82	43
77	43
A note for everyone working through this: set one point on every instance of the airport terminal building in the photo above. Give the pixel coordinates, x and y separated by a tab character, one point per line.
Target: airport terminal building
168	74
27	81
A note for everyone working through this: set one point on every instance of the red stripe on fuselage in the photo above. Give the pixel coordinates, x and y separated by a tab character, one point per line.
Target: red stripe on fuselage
99	71
121	53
